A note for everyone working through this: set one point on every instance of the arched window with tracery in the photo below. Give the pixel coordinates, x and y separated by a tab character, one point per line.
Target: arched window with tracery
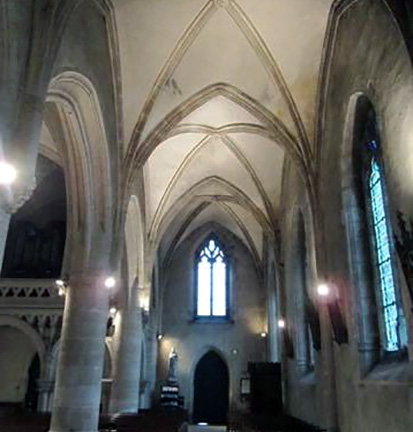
211	280
384	276
379	226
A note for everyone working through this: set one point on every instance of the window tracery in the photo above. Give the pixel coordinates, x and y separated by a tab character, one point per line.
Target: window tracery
211	280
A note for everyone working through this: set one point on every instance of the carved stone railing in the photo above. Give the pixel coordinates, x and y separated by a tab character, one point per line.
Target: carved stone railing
28	288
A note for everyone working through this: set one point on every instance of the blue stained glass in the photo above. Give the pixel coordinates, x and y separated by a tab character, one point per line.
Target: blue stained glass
382	242
211	289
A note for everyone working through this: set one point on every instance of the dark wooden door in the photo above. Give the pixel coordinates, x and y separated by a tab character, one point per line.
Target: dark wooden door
211	390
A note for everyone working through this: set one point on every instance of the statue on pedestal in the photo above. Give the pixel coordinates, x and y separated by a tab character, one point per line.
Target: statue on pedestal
173	366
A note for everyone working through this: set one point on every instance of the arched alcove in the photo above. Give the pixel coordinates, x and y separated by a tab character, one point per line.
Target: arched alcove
19	367
211	390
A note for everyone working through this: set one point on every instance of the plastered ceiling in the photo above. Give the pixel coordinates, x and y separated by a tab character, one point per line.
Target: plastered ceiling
216	95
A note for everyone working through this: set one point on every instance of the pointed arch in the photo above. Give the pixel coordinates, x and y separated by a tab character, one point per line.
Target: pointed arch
74	118
230	194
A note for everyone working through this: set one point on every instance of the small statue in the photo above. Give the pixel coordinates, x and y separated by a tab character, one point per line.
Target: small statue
173	366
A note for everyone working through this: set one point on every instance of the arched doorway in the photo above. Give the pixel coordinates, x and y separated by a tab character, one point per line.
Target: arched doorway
211	390
19	368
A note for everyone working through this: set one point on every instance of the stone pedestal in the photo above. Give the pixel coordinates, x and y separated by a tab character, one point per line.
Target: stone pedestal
80	365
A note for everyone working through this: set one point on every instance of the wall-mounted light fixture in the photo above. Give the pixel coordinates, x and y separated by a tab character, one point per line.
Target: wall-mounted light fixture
61	285
329	295
8	173
159	336
263	335
110	282
286	338
323	290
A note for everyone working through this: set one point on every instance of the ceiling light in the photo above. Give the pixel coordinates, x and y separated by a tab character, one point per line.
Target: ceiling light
7	173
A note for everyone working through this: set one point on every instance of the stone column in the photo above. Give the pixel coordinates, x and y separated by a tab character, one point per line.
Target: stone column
80	365
126	379
328	387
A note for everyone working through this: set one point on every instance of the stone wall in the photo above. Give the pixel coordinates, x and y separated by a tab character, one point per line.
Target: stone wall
237	341
368	57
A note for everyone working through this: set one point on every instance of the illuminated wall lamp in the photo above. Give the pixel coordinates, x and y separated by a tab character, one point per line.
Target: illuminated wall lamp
8	173
61	285
110	282
281	324
323	290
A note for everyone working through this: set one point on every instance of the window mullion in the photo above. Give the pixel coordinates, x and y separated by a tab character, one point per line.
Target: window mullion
211	287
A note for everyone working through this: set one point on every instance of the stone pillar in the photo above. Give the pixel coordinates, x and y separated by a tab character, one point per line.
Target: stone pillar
80	365
126	379
152	346
328	387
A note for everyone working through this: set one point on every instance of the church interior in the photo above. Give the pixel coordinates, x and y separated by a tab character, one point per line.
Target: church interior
206	215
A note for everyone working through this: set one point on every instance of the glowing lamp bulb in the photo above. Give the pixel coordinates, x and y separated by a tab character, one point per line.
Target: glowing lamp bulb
323	290
60	283
160	336
7	173
110	282
281	323
112	310
263	335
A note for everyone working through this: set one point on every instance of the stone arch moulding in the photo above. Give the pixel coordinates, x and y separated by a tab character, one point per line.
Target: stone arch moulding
74	101
135	242
31	333
230	193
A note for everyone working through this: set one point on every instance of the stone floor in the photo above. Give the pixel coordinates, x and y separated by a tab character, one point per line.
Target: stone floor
194	428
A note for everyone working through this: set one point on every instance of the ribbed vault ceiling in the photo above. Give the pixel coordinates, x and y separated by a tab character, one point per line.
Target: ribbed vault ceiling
216	95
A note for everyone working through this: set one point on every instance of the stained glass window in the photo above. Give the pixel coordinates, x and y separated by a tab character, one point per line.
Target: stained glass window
383	253
211	281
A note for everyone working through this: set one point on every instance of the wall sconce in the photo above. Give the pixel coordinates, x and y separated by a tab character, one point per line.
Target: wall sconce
329	296
113	311
323	290
286	338
159	336
62	285
110	282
